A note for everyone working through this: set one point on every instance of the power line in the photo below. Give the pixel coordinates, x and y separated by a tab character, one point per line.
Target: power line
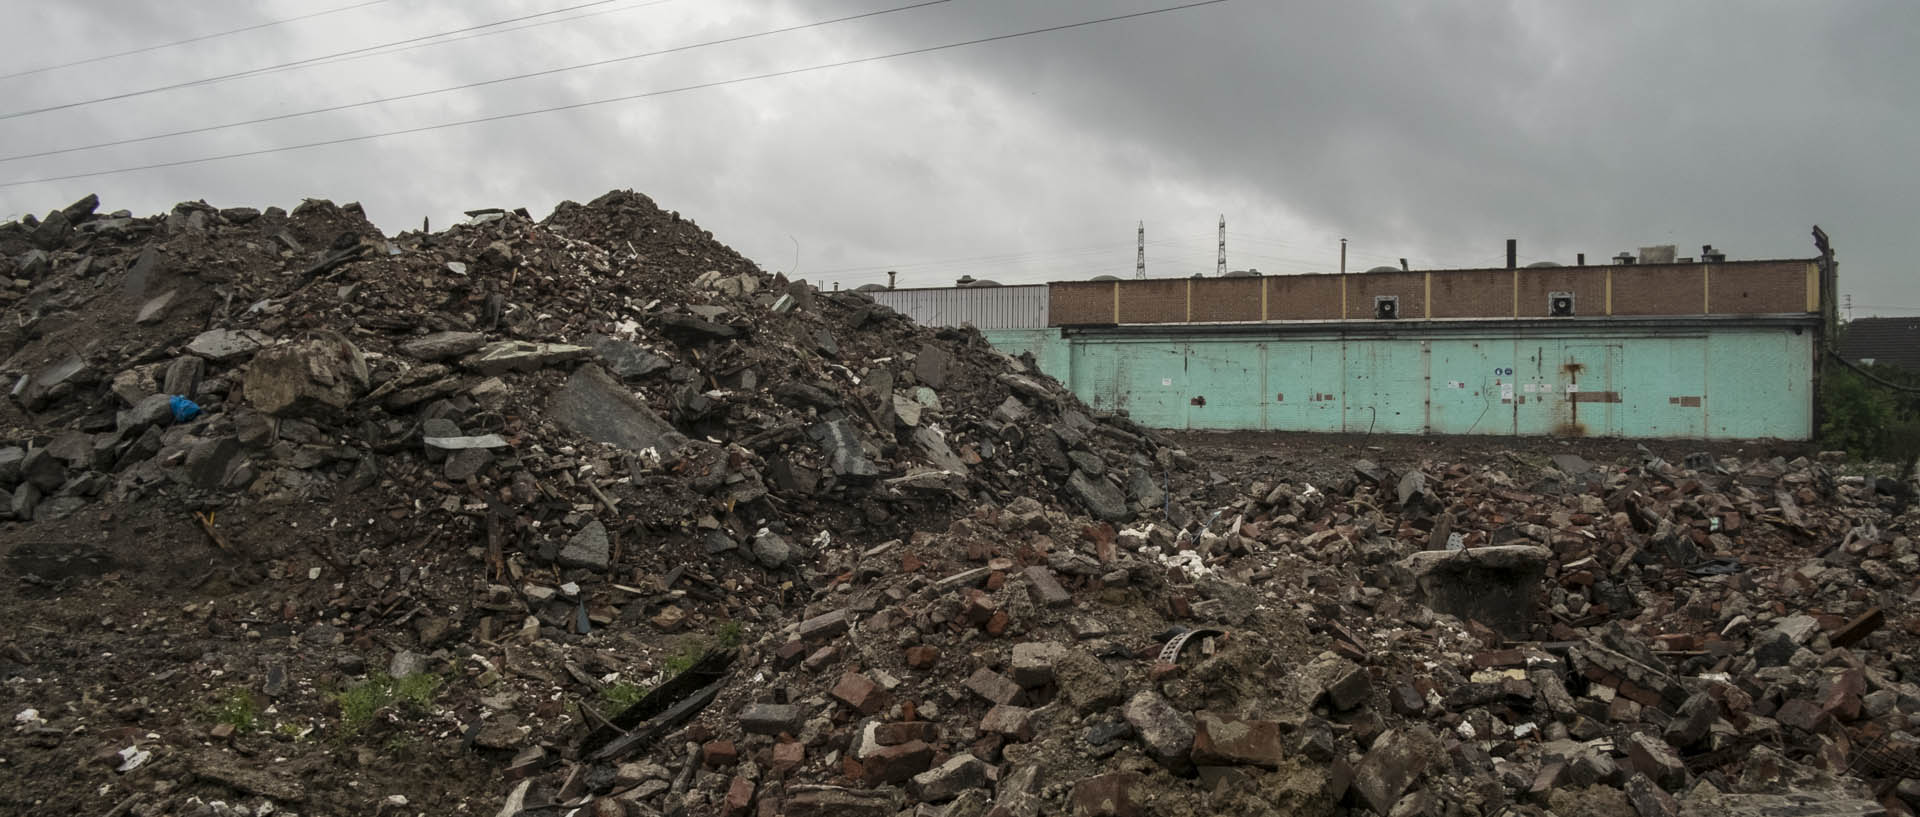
450	39
610	100
198	39
251	71
467	86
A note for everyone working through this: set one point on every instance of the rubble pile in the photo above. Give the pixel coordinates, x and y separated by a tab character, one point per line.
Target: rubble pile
1282	658
602	422
590	516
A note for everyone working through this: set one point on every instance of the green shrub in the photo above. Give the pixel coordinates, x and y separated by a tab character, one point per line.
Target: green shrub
1857	413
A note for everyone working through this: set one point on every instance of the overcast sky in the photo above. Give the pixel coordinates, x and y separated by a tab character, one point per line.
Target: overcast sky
1426	130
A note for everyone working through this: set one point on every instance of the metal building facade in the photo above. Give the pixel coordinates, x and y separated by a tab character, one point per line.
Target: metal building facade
1003	307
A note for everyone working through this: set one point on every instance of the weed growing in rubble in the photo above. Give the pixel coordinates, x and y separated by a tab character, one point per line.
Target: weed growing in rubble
236	708
729	635
617	697
360	703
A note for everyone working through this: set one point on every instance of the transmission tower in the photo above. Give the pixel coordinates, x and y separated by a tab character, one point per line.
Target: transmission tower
1140	252
1220	265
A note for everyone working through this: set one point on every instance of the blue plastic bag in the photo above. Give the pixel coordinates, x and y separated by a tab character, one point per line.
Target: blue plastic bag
183	409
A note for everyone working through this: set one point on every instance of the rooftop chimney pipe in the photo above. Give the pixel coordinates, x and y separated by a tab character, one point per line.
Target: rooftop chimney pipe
890	275
1513	253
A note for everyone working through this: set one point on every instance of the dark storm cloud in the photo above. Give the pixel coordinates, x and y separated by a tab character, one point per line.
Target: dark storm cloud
1429	130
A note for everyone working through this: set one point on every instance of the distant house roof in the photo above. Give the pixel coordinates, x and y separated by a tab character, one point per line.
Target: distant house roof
1892	341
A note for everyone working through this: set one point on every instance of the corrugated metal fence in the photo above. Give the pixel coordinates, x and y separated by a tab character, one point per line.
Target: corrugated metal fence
1015	307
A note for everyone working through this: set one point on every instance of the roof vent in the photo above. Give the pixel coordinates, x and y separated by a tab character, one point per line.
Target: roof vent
1624	259
1709	255
1386	307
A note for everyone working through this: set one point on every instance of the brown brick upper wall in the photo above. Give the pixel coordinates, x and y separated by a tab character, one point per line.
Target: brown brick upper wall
1227	299
1302	297
1161	300
1727	288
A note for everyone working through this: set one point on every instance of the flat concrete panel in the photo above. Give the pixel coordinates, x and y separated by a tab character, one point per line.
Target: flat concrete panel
1362	287
1472	293
1080	303
1225	384
1226	299
1386	390
1658	369
1588	285
1464	393
1153	301
1303	385
1759	288
1303	297
1761	384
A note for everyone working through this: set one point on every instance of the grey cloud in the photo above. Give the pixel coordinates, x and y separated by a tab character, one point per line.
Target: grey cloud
1432	130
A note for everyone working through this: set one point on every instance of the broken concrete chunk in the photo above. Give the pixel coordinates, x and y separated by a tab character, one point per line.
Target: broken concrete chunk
946	781
1101	499
1085	683
1222	741
841	444
1165	732
772	719
595	405
505	356
464	443
442	345
155	309
1497	586
1398	757
222	345
824	626
590	548
312	378
628	361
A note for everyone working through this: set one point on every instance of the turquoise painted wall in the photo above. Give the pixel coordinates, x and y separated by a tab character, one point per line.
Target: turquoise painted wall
1719	382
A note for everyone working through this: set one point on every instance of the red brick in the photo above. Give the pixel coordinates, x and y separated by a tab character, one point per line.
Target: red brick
739	798
1803	715
922	657
1107	795
788	756
720	753
979	606
822	657
992	686
789	654
997	625
896	764
1224	742
894	734
860	693
1012	721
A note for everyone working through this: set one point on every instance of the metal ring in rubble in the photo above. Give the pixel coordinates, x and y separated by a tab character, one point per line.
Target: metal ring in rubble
1170	654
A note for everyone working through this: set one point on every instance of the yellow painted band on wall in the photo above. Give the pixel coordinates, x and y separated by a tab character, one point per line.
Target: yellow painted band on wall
1516	292
1116	302
1706	289
1263	299
1189	300
1427	299
1813	288
1609	290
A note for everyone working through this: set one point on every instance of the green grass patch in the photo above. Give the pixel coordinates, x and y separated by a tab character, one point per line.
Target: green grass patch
615	698
236	708
361	702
